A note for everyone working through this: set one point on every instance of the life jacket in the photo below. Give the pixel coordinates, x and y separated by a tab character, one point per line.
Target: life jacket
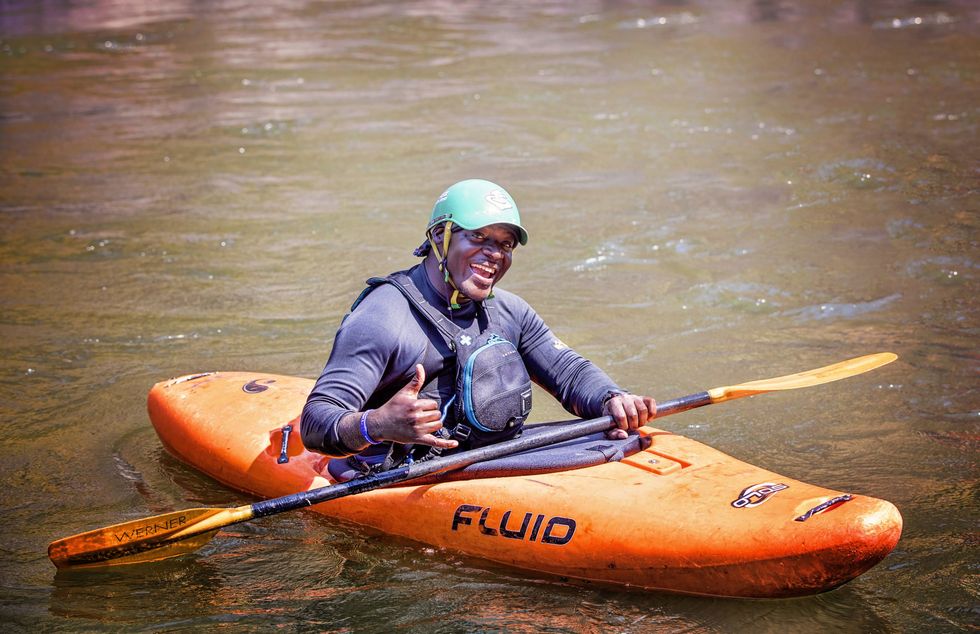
491	396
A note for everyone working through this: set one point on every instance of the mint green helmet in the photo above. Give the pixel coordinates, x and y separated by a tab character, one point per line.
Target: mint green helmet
476	203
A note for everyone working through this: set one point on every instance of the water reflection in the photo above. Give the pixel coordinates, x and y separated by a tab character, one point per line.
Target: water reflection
238	579
114	597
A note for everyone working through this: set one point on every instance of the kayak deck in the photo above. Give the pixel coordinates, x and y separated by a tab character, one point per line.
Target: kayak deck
676	515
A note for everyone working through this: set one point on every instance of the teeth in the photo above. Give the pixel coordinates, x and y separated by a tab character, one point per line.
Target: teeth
486	269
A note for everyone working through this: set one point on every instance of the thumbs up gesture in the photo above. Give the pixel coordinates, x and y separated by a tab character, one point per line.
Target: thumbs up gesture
407	419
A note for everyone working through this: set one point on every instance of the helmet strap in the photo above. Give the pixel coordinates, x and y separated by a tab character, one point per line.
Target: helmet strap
443	258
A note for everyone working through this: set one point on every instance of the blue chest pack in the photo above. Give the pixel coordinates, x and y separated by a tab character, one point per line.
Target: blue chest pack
492	389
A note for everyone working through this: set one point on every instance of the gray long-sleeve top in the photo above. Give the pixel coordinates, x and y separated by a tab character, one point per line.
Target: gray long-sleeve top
378	344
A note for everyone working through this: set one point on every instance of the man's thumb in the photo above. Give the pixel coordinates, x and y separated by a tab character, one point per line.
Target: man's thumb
415	385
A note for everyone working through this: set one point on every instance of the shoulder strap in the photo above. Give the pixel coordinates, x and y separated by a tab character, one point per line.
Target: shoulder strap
404	283
406	286
372	283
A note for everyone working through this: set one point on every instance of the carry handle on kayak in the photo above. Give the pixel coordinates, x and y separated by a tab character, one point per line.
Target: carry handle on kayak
181	532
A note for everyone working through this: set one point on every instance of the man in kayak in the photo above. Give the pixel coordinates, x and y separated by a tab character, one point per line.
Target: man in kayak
437	357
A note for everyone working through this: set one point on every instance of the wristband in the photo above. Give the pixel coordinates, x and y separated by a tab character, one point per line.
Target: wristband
364	431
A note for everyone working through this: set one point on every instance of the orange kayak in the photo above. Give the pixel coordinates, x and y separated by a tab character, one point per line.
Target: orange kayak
673	515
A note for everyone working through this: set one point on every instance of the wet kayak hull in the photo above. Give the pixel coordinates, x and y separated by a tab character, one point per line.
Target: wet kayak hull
676	516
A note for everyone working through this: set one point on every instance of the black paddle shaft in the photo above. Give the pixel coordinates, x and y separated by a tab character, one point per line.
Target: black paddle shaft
682	404
560	433
429	467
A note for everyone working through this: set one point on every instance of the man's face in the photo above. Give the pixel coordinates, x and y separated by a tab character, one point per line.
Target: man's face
479	258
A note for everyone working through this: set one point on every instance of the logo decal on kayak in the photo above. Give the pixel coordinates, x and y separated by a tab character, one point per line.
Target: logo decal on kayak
556	530
257	385
820	508
757	494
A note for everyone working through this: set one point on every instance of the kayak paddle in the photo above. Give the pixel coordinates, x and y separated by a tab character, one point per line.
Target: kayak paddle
181	532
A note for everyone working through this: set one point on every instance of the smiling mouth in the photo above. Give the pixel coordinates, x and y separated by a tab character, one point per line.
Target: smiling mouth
484	271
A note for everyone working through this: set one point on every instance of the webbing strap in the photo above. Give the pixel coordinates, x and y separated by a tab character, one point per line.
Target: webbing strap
443	264
447	328
403	282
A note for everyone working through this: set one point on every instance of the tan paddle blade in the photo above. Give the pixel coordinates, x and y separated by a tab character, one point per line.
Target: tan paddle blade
145	539
826	374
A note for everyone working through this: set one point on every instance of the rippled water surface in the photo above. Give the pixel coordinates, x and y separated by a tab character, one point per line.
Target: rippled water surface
715	192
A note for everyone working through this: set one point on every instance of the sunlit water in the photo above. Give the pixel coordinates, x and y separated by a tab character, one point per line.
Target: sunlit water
715	192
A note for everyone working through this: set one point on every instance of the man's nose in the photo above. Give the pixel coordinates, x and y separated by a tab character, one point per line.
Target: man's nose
493	250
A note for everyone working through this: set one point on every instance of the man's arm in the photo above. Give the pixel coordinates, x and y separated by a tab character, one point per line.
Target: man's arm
375	356
581	386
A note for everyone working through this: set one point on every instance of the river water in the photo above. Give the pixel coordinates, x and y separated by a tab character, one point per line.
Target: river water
715	192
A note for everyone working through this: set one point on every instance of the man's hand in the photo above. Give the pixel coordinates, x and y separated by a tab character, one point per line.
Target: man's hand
408	419
629	411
